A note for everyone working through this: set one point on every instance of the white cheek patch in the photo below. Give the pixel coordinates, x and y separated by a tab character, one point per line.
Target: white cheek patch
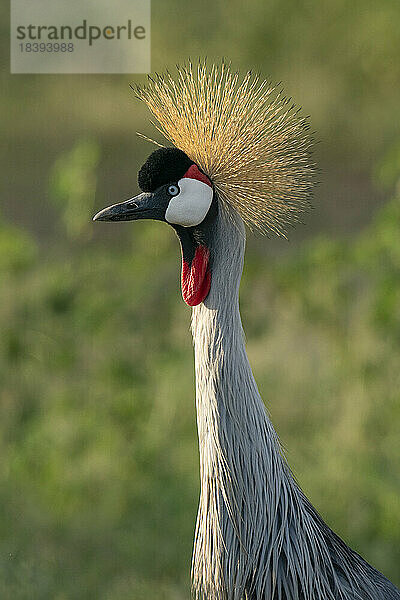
191	205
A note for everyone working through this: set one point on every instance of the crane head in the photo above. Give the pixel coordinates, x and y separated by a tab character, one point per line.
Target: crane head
239	146
176	191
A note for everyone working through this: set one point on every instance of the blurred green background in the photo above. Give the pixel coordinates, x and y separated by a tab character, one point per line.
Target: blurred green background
99	460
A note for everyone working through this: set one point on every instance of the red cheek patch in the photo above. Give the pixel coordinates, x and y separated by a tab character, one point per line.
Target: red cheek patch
196	278
194	172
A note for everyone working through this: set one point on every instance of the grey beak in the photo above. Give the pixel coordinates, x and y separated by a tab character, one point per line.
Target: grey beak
139	207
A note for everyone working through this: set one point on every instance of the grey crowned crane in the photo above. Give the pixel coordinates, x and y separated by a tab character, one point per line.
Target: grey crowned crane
241	154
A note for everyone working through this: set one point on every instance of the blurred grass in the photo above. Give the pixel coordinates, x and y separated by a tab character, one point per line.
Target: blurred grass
99	469
73	187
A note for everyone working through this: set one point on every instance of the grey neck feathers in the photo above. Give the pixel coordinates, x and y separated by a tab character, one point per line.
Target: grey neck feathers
257	536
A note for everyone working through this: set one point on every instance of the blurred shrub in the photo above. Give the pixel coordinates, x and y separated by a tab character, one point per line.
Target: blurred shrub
73	187
99	469
18	250
387	171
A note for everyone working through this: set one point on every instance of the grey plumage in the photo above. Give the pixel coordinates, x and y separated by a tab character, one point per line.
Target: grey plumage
257	536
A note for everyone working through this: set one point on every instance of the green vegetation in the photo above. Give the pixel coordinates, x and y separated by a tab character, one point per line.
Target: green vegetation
98	446
99	470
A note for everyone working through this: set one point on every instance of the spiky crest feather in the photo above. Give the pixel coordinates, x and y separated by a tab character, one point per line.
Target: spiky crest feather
244	134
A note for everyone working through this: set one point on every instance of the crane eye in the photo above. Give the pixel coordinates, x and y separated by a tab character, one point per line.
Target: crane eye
173	190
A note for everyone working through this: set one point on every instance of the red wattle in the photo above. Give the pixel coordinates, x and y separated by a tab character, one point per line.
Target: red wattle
196	278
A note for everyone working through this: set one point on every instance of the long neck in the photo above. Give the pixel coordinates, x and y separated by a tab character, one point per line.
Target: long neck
257	536
241	466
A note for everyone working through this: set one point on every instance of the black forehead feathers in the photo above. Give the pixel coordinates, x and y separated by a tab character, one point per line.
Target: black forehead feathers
164	165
